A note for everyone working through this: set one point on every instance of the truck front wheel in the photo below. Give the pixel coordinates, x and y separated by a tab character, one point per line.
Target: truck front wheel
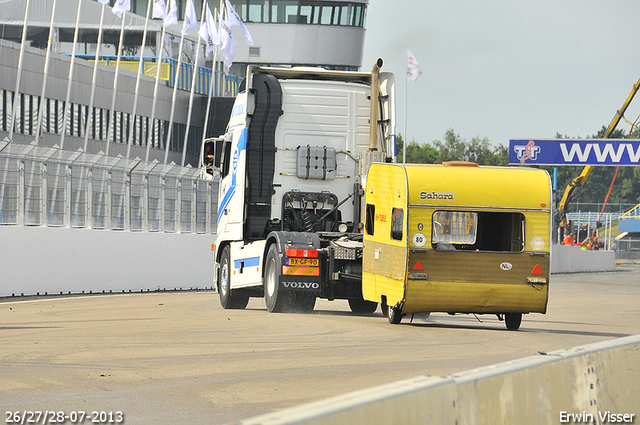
275	298
230	299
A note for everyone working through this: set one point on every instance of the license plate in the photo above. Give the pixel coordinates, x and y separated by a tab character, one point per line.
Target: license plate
314	262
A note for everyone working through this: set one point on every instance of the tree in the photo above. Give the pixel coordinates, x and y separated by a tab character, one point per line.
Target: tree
416	154
454	148
478	150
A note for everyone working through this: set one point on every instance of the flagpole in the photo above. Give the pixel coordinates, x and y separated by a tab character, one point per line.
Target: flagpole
46	74
404	135
20	60
94	80
115	85
212	83
208	109
168	16
53	205
173	100
132	118
193	86
412	71
220	79
71	65
155	94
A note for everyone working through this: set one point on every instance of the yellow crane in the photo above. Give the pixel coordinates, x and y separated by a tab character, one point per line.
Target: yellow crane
579	181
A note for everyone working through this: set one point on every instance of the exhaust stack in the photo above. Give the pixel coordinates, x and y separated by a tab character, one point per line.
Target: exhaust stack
373	154
375	90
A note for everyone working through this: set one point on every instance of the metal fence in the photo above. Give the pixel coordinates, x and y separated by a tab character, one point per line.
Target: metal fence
48	186
223	85
591	218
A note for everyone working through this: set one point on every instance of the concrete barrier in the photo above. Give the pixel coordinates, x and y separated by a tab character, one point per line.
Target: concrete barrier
39	260
572	259
592	384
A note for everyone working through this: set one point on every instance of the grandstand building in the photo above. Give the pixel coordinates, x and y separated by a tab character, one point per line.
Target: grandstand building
104	211
323	33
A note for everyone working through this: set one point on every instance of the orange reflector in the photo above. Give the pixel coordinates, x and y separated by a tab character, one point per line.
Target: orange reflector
536	270
418	266
305	253
213	247
301	271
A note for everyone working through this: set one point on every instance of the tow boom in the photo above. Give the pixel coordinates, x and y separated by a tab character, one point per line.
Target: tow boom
579	181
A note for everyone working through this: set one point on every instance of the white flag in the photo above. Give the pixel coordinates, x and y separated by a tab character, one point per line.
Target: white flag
413	68
120	7
190	20
159	9
172	15
105	2
209	33
229	44
168	45
234	19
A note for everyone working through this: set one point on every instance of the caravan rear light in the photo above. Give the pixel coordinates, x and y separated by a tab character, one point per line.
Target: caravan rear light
305	253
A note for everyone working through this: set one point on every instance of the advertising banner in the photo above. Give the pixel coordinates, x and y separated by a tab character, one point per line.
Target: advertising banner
574	152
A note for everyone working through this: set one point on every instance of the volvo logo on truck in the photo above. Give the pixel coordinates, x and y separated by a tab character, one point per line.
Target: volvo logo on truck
301	285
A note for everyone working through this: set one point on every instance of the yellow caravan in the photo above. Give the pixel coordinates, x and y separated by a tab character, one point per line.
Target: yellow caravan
457	238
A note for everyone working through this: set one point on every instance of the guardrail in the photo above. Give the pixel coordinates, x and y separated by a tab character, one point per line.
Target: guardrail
224	85
595	383
633	213
48	186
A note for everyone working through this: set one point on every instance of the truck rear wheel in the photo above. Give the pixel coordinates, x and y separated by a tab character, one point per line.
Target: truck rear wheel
275	298
229	298
513	320
361	306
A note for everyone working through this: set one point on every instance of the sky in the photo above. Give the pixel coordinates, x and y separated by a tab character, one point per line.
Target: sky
508	69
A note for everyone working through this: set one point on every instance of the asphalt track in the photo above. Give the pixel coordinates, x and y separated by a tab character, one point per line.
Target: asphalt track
179	358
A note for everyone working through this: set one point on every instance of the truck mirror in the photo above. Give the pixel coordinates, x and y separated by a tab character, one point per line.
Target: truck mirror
209	153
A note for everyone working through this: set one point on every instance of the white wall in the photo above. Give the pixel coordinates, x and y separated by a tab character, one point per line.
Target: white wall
53	260
572	259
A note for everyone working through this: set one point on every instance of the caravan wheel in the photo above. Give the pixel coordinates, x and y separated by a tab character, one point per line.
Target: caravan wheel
513	320
394	315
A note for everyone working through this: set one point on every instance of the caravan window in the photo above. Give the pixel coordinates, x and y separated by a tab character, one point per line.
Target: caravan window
397	217
370	214
477	231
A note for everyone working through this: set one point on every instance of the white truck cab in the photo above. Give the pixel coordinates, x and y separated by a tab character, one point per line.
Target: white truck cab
292	165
